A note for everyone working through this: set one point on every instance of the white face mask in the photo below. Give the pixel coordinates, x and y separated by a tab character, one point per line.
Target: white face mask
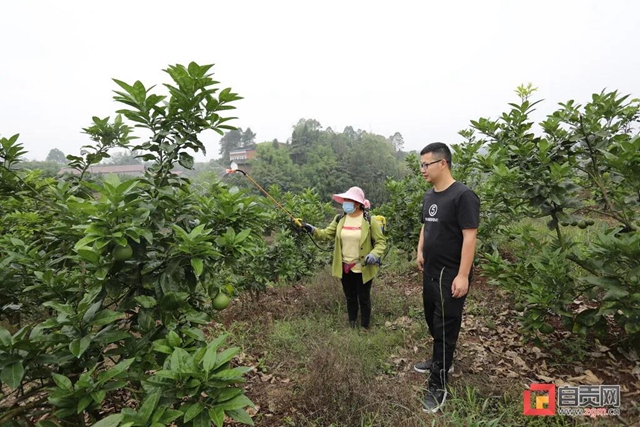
348	207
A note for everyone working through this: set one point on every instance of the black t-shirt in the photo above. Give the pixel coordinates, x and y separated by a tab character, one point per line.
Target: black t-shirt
444	215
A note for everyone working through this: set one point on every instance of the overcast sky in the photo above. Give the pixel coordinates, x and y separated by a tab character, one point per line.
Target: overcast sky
422	68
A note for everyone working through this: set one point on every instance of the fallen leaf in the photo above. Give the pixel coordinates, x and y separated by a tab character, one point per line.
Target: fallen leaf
590	378
631	355
545	378
636	371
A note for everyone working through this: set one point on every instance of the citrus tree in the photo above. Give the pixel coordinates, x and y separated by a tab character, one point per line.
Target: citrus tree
583	168
106	286
581	171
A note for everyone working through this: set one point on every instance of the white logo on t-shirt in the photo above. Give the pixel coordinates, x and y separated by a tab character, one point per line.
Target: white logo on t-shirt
433	209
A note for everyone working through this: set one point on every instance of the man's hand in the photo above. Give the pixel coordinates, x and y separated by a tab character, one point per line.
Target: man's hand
460	286
420	261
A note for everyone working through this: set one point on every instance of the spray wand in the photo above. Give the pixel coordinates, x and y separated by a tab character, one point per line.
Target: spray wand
297	221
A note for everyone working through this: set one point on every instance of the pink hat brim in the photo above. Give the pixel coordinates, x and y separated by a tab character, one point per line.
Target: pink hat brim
351	194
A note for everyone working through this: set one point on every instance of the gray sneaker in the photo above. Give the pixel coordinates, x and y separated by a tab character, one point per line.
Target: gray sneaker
423	367
434	399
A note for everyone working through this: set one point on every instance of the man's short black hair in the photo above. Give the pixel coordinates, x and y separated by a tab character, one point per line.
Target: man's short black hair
440	151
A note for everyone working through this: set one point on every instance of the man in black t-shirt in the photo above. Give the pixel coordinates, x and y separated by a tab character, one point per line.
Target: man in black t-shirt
450	217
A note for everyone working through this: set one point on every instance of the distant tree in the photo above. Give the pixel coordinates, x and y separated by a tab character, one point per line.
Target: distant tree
124	158
229	142
273	166
396	141
248	138
57	156
275	143
48	169
369	163
322	172
350	133
305	133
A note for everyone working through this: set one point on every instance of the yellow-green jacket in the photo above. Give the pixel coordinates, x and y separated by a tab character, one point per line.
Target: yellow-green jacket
369	234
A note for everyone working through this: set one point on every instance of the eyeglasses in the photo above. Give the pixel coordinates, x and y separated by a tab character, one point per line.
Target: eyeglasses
426	165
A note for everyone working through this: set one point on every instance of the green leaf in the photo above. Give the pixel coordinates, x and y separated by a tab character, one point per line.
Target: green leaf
161	348
173	339
115	371
12	375
98	396
602	281
105	317
126	187
242	235
113	180
110	421
61	308
148	236
237	402
5	337
228	394
217	416
632	325
148	406
193	411
186	160
615	294
164	373
209	360
91	312
197	265
170	415
86	241
89	254
179	361
194	333
241	416
79	346
47	423
157	414
146	301
202	420
588	317
84	402
62	382
216	343
226	356
108	337
200	318
64	413
17	242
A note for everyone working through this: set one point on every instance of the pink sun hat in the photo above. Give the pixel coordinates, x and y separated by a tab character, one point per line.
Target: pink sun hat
354	193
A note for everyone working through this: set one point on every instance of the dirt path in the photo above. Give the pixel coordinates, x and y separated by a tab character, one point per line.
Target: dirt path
491	357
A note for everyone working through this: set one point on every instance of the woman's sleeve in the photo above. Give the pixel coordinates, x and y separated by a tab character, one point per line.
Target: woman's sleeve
378	237
326	233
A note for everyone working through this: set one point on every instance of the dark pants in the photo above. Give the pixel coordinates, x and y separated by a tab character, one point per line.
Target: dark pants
443	314
357	294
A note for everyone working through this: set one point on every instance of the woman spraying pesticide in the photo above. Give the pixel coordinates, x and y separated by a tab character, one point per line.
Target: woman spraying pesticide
359	244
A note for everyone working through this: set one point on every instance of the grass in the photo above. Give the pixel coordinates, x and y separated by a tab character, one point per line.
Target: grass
323	373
